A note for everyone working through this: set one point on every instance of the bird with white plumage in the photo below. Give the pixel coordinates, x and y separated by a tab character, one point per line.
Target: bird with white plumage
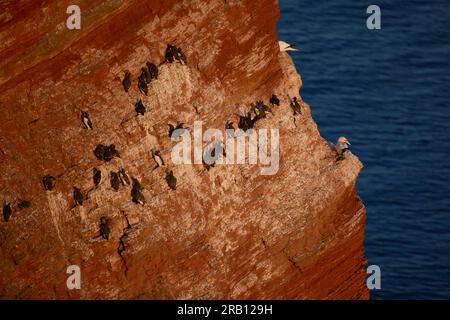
284	46
342	145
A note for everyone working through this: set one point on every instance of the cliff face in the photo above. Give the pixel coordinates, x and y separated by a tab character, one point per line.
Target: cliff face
229	232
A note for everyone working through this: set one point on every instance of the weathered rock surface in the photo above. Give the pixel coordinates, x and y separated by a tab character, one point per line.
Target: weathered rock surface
225	233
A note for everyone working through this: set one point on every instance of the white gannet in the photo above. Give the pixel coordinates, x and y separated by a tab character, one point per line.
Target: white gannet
342	145
284	46
86	120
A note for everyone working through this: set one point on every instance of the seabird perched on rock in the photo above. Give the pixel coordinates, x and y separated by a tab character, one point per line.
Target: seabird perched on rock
139	107
6	210
106	153
104	229
156	155
24	204
171	180
126	82
110	153
137	197
145	74
142	84
96	176
174	53
342	145
153	69
136	184
179	55
262	107
49	182
123	177
295	105
253	113
274	100
245	122
99	151
170	53
284	46
86	121
77	197
136	192
114	180
259	110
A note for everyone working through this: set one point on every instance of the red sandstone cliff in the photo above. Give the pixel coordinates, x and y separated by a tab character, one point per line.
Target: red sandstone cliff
225	233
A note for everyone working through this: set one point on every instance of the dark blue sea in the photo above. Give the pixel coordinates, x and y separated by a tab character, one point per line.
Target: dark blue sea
388	92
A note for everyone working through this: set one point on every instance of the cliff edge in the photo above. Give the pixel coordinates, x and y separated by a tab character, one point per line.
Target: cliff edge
224	233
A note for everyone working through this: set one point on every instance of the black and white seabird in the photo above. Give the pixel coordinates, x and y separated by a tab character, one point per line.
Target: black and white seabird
171	180
49	182
153	69
145	74
179	55
126	82
110	153
137	197
142	84
78	197
115	180
6	210
106	153
262	107
112	149
245	122
136	184
253	113
284	46
104	228
174	53
96	176
156	155
295	105
123	177
170	53
86	121
274	100
342	145
99	151
258	111
136	192
23	204
139	107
